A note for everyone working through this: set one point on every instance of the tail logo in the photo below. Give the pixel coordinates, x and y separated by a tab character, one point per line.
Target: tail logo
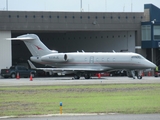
38	47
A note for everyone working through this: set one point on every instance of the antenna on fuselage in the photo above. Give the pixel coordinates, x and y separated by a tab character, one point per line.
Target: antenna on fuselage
113	51
83	51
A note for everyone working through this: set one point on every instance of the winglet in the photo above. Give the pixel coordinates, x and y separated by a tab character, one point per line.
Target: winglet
31	64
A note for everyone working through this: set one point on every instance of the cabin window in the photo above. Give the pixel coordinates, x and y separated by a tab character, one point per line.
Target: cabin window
97	59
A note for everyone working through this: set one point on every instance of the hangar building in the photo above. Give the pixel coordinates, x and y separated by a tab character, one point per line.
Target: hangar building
75	31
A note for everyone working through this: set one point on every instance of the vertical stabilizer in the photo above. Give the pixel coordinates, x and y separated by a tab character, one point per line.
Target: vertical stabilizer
35	46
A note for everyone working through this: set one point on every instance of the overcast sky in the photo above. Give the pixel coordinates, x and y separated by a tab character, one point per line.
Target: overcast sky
74	5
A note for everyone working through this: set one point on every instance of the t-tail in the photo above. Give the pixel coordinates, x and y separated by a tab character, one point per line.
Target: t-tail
35	46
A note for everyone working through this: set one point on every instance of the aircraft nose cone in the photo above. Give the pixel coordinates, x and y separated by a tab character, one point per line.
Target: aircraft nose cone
152	65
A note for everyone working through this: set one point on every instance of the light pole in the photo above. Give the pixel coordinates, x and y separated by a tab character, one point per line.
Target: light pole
7	5
152	52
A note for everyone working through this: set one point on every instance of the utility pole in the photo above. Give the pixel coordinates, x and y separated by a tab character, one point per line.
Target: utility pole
7	5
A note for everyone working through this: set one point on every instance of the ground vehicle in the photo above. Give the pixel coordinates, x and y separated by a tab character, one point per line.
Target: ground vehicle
14	70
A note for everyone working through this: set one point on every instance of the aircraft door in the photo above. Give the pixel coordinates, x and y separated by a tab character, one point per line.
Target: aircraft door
91	60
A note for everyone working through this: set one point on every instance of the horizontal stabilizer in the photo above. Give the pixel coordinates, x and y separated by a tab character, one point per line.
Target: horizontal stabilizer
20	38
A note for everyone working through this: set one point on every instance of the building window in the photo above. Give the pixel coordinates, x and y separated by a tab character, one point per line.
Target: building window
156	32
146	32
103	17
9	16
81	17
57	16
25	16
126	17
34	16
133	17
73	17
111	17
17	16
65	16
88	17
42	16
96	17
50	16
119	17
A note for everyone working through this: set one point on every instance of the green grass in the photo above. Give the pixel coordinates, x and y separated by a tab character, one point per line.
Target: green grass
116	98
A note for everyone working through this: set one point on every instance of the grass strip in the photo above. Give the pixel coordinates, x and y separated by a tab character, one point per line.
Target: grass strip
115	98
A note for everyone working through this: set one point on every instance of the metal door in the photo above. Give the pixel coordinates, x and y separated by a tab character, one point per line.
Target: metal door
91	60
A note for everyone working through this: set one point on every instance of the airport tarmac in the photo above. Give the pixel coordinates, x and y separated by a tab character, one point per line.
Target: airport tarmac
70	81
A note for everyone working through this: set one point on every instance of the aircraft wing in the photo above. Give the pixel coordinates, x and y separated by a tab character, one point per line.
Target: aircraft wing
56	70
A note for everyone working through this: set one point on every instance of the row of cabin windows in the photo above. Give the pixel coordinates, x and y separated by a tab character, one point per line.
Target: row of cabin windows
102	59
113	59
74	17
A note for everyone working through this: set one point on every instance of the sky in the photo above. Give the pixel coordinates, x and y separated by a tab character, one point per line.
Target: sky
75	5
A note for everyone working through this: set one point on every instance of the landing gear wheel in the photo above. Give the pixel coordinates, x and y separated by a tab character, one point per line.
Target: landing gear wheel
139	77
87	76
76	77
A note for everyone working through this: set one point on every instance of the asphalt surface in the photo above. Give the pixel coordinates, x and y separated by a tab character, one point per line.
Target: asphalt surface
70	81
91	117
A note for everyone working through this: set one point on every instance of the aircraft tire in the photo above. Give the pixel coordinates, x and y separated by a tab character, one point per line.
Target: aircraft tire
76	77
87	76
139	77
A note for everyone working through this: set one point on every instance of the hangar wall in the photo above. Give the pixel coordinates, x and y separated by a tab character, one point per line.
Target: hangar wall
5	49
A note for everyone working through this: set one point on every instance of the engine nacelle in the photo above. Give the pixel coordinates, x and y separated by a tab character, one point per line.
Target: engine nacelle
56	57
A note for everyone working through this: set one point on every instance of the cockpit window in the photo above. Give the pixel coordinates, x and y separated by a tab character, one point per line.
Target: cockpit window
137	57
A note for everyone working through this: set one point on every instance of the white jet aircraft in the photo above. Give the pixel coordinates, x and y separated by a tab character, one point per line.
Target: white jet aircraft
84	63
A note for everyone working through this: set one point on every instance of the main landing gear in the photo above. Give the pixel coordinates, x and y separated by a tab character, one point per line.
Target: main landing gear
138	74
86	75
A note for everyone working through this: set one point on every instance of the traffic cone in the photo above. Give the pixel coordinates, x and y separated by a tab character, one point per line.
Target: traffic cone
149	73
99	75
142	73
17	76
31	77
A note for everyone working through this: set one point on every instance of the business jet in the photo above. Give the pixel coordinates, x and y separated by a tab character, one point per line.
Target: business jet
84	63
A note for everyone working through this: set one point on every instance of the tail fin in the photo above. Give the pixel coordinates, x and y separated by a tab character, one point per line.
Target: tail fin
35	46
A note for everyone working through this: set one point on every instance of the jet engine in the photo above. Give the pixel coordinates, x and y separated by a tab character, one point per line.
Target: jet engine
56	57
